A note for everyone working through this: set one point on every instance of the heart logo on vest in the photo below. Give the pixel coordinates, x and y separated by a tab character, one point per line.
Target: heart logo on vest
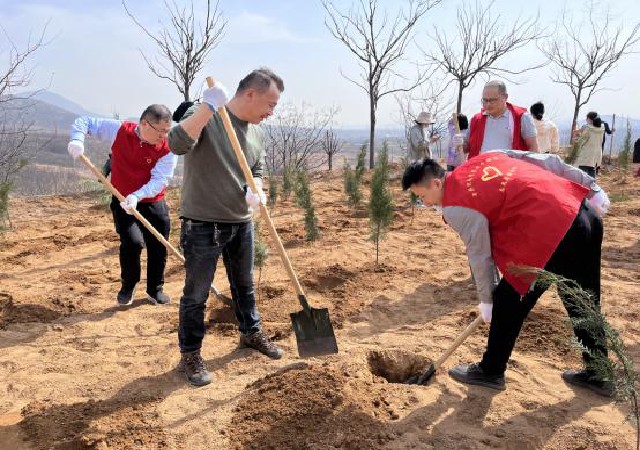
489	173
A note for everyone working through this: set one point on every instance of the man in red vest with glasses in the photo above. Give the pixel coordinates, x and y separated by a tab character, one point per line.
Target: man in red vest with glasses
517	209
141	166
499	125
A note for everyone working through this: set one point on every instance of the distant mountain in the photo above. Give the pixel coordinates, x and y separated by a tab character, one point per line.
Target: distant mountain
43	116
57	100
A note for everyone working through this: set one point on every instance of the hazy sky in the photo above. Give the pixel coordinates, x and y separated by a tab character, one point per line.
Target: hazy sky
94	56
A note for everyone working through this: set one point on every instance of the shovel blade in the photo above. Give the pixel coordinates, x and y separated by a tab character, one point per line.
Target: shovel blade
314	332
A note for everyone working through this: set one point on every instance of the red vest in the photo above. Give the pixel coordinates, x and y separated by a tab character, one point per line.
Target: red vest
478	123
529	209
132	161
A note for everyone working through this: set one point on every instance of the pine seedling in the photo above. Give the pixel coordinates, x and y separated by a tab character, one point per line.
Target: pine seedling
381	201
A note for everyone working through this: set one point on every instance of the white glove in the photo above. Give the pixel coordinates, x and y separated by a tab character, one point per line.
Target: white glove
215	96
75	148
254	199
485	311
458	139
600	202
129	203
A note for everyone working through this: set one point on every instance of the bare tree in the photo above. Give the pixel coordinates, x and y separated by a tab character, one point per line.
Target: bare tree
185	44
331	145
379	44
15	123
584	53
482	40
294	136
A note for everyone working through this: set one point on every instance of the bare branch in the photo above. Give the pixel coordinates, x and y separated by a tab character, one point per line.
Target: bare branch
482	41
184	45
583	54
378	42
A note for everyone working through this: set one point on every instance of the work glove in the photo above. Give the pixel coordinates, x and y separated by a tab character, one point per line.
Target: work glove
129	203
600	202
485	311
254	199
215	96
458	139
75	148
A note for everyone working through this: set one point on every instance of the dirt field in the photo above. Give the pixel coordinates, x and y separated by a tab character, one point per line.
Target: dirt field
78	372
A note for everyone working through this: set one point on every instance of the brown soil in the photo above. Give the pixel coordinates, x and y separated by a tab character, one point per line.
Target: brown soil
78	372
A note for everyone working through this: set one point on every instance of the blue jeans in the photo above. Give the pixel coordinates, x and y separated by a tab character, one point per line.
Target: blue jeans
203	243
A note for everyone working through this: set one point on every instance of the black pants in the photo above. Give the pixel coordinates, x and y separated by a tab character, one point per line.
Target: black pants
134	236
577	258
591	171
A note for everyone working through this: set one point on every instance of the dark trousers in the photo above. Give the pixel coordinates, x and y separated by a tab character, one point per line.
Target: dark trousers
134	236
576	258
203	243
591	171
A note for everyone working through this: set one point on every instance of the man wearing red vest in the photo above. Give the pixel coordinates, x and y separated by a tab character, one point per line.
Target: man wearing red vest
499	125
520	209
141	165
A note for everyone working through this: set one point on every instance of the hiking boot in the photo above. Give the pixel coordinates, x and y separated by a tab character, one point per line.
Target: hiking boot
473	374
192	365
125	297
586	379
259	341
159	299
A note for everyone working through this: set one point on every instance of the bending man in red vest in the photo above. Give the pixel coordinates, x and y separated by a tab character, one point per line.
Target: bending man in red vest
141	165
499	125
520	209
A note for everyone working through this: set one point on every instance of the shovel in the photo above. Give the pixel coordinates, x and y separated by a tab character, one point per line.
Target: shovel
312	326
226	300
431	370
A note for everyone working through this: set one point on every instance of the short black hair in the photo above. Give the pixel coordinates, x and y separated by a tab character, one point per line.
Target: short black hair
592	115
597	122
156	113
537	110
419	171
180	110
463	122
260	80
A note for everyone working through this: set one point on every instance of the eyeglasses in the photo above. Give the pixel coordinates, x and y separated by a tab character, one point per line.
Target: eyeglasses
486	101
161	132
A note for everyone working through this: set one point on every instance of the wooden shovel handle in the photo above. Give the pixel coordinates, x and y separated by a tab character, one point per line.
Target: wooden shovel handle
459	340
242	160
135	212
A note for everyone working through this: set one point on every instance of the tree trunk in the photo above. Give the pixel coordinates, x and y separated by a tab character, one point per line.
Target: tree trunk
330	161
459	103
372	132
377	242
576	111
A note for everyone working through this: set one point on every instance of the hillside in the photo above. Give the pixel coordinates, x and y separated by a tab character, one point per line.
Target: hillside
80	373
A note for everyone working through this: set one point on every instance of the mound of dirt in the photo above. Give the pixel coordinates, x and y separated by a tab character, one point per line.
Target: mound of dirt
306	407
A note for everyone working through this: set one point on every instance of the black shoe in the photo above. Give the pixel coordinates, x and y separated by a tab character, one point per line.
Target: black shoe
192	365
160	298
259	341
473	374
125	297
586	379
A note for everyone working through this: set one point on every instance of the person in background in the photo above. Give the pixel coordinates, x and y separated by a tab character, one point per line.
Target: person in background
456	157
419	140
547	131
589	142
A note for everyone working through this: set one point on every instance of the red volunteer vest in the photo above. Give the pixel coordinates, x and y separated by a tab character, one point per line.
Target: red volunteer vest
478	123
132	161
529	209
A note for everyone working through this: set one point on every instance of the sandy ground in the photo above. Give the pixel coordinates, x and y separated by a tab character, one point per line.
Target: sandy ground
78	372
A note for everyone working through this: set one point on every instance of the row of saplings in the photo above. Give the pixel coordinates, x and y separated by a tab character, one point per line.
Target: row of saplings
380	205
